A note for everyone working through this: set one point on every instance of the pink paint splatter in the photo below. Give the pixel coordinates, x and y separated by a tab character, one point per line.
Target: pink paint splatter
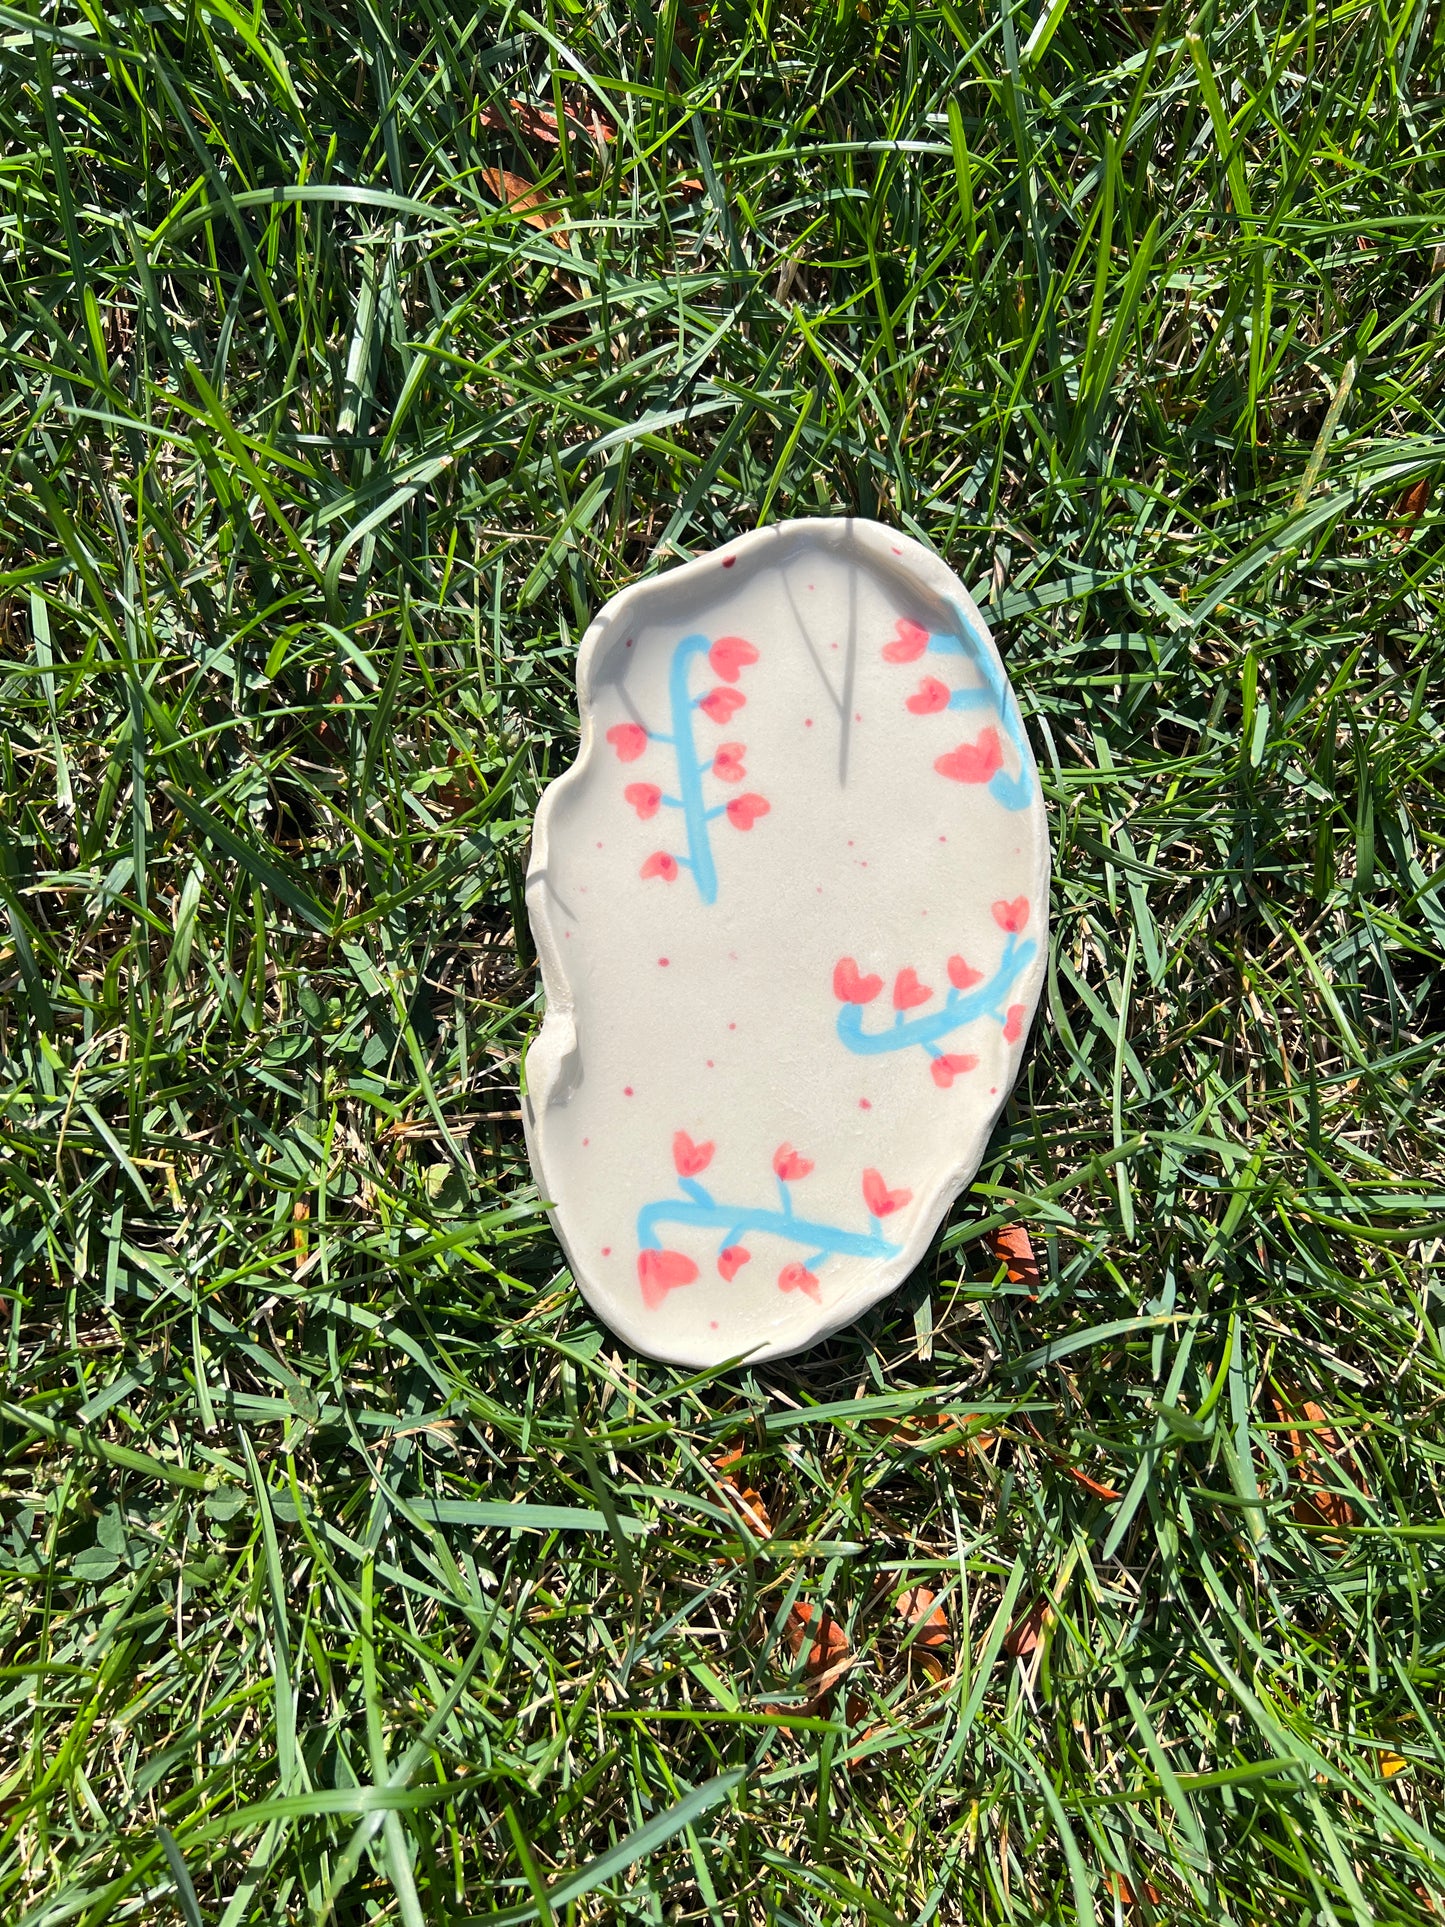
664	961
627	1090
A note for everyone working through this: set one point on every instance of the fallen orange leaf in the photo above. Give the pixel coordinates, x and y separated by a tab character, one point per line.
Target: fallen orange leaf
747	1502
1121	1890
919	1607
1415	500
541	125
1022	1638
1315	1505
523	198
1080	1478
1012	1246
829	1654
913	1430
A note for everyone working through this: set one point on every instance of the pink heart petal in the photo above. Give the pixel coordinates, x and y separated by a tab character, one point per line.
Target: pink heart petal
1013	1027
629	740
731	1260
744	811
659	1272
690	1158
1011	916
644	798
729	656
849	987
660	864
908	993
880	1201
908	644
722	704
789	1166
962	975
973	762
945	1069
726	766
930	696
799	1278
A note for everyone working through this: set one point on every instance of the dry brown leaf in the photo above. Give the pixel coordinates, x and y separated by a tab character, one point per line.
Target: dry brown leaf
523	198
1022	1638
1415	500
524	117
919	1607
914	1430
1119	1887
745	1500
829	1655
1315	1505
1099	1490
829	1643
1012	1246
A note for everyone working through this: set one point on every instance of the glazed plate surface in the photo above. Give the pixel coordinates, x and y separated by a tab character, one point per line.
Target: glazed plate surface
790	906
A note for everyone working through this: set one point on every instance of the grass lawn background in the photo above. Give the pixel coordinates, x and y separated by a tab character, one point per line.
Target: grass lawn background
351	359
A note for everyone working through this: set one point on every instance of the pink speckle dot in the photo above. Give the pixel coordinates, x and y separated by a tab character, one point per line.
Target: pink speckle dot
628	643
627	1090
711	1065
585	1142
820	892
993	1090
863	863
864	1105
606	1251
810	587
807	722
566	933
732	956
728	561
713	1323
850	842
896	549
943	839
857	715
664	961
599	846
732	1026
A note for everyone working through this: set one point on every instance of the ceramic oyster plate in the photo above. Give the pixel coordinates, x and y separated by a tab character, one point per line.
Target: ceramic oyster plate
790	908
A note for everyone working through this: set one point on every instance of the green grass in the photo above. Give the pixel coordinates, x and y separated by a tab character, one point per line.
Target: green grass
348	1570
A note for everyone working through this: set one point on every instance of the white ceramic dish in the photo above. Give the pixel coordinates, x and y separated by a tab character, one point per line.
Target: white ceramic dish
790	905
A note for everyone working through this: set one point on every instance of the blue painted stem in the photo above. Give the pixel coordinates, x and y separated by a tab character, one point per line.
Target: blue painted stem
960	1008
689	769
823	1240
1012	791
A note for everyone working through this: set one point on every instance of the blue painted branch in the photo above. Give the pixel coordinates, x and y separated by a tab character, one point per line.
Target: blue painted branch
823	1240
1012	791
936	1024
689	769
